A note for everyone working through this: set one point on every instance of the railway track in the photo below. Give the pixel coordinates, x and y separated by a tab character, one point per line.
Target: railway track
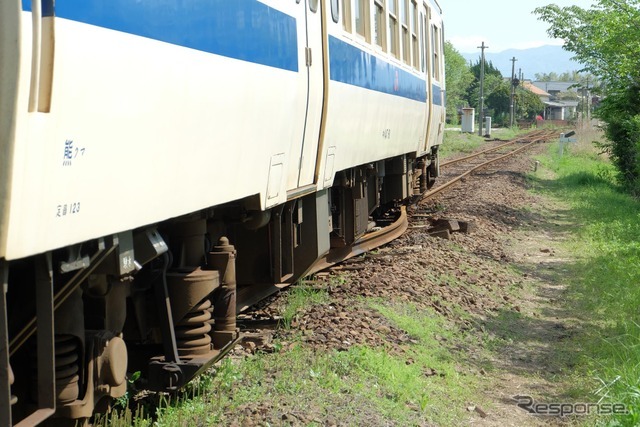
399	221
456	170
466	166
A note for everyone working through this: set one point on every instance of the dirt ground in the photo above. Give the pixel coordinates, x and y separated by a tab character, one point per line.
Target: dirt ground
506	272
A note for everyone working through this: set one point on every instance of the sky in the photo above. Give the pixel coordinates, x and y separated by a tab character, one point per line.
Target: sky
501	24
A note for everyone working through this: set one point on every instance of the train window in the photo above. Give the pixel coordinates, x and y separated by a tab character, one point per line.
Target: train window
413	18
335	12
362	18
422	43
346	15
406	47
435	46
393	28
426	52
379	25
313	5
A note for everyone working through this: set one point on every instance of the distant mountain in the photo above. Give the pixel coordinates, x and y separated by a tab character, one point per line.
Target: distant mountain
543	59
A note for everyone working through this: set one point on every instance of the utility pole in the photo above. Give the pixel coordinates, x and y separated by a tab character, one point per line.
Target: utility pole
481	112
513	90
588	109
521	80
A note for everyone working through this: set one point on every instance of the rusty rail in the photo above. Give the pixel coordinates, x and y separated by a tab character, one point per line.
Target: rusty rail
365	243
533	137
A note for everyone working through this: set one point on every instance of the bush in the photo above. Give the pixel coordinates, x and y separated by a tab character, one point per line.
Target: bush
621	113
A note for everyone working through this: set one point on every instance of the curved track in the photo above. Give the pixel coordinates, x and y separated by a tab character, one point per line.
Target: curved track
252	295
492	155
378	238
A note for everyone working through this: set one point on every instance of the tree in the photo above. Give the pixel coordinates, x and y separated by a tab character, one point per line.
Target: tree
498	101
606	40
458	78
567	76
489	69
492	83
528	104
546	77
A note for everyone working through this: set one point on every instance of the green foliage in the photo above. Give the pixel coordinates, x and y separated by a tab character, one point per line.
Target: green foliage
123	402
496	91
528	104
606	40
463	89
489	69
499	102
458	79
620	111
568	76
492	83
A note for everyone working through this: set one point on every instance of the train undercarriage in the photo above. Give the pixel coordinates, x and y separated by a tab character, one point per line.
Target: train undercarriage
162	299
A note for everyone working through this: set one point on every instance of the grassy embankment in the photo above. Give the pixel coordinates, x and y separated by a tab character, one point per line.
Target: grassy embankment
603	281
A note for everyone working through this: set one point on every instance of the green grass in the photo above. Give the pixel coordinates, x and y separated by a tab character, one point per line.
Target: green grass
457	142
604	281
416	384
300	296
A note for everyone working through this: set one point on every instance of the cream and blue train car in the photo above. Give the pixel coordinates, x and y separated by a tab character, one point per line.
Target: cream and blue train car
163	163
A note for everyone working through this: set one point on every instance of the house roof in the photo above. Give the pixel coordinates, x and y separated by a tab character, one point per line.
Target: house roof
536	90
561	104
556	86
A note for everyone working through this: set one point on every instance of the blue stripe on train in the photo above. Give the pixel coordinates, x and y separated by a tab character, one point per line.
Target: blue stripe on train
241	29
438	94
351	65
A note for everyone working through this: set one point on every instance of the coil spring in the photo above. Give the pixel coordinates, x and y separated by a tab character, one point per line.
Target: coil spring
67	367
192	332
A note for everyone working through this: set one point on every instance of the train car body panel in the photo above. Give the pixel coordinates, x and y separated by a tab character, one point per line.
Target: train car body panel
173	94
9	70
378	106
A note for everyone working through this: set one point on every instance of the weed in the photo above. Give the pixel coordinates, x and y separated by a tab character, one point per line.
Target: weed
301	296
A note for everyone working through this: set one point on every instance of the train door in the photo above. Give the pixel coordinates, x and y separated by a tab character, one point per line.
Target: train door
436	72
433	52
314	91
426	67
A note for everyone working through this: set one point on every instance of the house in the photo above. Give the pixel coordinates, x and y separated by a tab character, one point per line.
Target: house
548	92
542	94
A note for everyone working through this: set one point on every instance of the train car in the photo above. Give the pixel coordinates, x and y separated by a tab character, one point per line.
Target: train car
165	164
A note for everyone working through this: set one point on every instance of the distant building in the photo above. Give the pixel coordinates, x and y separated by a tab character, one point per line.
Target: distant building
555	88
542	94
548	92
